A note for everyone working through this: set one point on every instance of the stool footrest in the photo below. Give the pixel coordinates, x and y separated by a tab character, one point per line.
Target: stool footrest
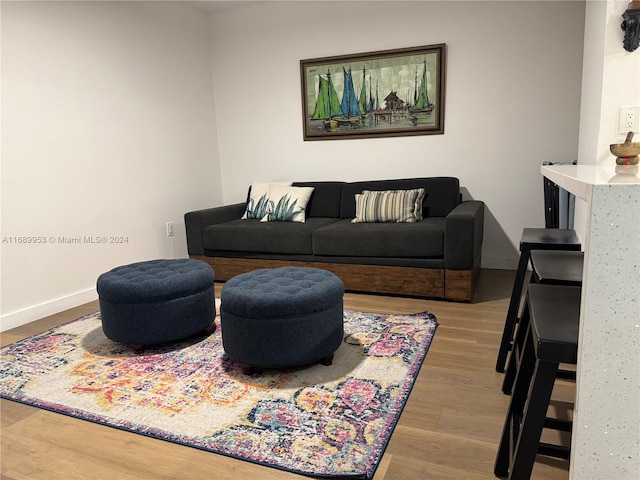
558	424
556	451
567	375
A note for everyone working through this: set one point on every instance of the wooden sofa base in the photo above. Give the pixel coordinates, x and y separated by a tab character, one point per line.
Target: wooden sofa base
454	285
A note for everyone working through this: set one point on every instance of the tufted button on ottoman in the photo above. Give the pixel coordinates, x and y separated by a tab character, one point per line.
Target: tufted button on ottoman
282	317
157	301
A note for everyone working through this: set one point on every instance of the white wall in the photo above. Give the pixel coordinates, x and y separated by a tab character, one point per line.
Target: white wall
621	81
512	99
610	80
107	129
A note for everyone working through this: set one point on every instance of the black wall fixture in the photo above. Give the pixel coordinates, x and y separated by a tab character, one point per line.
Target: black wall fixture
631	26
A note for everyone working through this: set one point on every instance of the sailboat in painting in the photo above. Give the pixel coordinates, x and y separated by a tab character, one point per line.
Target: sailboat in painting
365	105
349	110
327	104
421	95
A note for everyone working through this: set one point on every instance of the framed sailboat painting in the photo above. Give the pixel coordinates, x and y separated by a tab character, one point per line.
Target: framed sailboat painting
376	94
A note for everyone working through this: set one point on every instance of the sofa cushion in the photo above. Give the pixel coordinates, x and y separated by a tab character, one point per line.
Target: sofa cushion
343	238
389	206
442	194
325	199
269	237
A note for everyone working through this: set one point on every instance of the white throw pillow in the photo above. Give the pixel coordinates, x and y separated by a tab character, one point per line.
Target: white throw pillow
287	204
258	199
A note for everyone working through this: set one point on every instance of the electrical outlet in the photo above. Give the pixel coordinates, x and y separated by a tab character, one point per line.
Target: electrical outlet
169	229
628	120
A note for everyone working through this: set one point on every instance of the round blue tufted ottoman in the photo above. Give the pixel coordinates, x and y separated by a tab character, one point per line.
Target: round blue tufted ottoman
282	317
157	301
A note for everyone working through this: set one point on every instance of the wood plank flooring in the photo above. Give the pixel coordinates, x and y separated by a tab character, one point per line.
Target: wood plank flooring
449	429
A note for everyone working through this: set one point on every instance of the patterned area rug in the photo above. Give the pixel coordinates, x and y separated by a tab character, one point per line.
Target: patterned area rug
321	421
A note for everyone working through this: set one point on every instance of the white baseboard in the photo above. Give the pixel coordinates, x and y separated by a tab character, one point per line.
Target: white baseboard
36	312
500	263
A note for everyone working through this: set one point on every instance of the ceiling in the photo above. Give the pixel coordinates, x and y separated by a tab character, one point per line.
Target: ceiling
212	6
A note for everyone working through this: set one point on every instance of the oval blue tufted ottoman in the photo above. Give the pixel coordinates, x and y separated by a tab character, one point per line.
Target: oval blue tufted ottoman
157	301
282	317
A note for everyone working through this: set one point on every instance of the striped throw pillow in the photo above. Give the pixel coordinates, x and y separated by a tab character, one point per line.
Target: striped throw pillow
389	206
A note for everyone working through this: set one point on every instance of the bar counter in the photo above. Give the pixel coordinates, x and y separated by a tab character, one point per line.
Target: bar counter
605	441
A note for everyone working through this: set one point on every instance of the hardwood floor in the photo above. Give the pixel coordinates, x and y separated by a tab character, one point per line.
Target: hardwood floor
449	429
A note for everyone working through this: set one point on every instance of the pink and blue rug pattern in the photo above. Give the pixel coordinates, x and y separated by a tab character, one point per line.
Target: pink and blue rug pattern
321	421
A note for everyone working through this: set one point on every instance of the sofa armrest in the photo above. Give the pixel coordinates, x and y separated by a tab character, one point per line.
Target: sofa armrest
463	233
196	221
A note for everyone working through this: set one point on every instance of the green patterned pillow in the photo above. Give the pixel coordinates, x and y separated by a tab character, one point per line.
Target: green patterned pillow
389	206
287	204
258	199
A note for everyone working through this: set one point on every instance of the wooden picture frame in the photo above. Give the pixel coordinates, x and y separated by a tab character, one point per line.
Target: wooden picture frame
387	93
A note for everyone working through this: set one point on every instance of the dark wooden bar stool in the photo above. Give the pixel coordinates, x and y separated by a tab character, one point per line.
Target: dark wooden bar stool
556	267
549	267
563	239
551	338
